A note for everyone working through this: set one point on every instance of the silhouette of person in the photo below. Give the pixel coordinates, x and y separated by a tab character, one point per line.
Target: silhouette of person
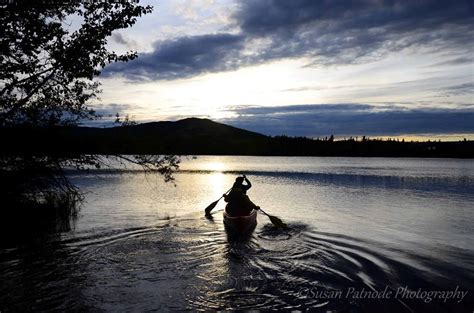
238	203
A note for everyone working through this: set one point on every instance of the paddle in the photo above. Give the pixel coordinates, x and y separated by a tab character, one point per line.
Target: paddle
275	220
213	204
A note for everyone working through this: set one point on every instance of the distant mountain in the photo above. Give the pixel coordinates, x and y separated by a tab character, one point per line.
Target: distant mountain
187	136
195	136
190	136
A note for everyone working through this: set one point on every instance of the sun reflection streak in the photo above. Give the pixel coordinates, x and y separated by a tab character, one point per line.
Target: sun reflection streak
217	178
216	166
218	183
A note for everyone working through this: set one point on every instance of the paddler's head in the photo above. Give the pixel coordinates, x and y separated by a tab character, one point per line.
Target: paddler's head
238	182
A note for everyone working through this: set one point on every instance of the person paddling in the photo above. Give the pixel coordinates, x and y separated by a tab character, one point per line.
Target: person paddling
238	203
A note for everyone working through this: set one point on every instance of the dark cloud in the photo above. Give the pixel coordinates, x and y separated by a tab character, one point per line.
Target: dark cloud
110	109
262	17
301	109
335	32
352	120
118	38
326	32
182	57
459	90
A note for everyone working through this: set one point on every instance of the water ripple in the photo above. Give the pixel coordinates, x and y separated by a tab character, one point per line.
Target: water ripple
190	263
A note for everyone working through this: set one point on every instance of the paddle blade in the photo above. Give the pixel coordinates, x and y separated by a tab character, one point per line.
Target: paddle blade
277	222
210	207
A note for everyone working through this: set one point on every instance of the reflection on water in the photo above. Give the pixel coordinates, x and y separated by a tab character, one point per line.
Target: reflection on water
189	263
141	245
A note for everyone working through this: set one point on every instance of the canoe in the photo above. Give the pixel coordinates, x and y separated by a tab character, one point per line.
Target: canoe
240	224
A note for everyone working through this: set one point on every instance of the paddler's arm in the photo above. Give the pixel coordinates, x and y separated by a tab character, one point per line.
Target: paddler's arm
249	185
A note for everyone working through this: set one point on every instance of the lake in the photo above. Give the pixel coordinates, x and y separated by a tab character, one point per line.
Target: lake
365	235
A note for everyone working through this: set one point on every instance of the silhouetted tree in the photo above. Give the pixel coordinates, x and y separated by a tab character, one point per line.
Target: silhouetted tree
47	67
47	71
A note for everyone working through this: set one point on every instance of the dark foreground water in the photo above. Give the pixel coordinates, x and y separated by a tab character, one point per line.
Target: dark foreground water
366	235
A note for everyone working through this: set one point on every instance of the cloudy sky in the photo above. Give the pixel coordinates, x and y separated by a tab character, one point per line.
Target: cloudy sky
301	67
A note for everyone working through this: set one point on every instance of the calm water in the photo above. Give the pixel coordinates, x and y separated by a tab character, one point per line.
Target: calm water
366	235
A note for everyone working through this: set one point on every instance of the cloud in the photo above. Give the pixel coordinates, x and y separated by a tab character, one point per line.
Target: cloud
107	113
466	60
301	109
325	32
182	57
461	89
119	38
342	32
123	40
321	120
110	109
192	9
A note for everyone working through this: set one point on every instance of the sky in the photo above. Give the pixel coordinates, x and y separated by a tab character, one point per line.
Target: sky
301	68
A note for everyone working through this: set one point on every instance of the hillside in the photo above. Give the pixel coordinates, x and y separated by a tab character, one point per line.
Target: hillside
187	136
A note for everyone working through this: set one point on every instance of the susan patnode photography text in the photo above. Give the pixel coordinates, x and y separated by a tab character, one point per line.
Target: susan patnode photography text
403	292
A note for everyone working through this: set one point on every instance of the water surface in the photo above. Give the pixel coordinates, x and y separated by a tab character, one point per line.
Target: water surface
358	227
